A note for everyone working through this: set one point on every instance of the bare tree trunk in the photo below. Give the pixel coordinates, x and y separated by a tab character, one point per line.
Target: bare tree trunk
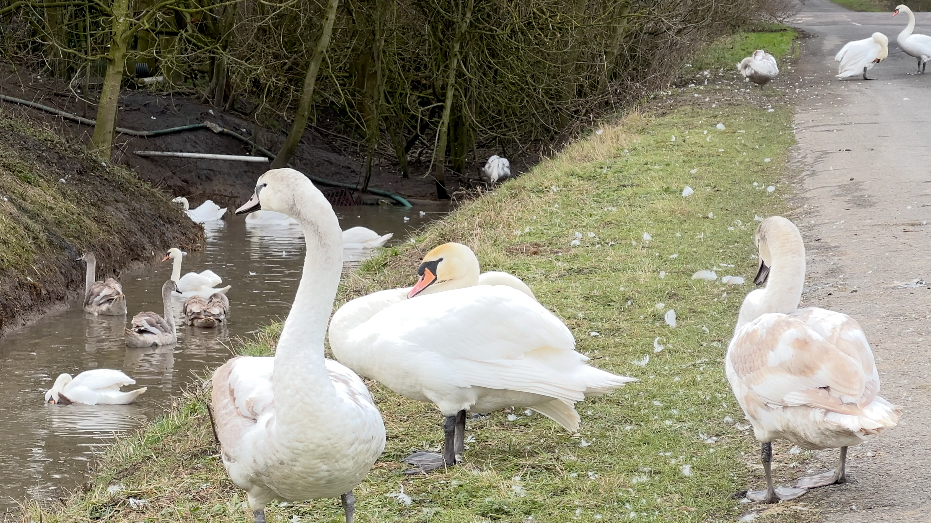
307	95
102	139
384	17
439	154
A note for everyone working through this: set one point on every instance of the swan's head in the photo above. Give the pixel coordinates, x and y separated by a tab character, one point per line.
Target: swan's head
169	287
183	201
883	42
759	54
88	257
776	237
449	266
52	397
173	254
900	7
277	190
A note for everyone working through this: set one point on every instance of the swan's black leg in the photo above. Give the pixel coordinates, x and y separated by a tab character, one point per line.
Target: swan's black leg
864	73
827	478
459	447
349	505
427	461
772	495
919	66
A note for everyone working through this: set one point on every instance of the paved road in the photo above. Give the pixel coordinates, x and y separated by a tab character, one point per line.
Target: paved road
865	195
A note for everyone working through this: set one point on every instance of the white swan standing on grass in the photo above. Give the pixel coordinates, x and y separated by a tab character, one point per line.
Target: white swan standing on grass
918	46
92	387
496	169
205	212
101	297
759	68
477	347
298	426
860	56
202	284
148	329
803	375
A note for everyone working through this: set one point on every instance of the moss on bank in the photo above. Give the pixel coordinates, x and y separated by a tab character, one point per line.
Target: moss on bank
57	201
668	448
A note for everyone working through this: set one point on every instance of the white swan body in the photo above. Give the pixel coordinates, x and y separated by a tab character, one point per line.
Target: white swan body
297	426
759	68
496	169
466	347
269	218
803	375
148	329
93	387
205	212
203	284
916	45
206	312
859	56
364	238
101	297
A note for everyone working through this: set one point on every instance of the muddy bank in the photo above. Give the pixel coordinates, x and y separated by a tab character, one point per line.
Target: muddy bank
56	201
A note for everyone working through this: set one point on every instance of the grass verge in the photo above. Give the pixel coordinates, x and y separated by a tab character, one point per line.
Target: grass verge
604	236
865	5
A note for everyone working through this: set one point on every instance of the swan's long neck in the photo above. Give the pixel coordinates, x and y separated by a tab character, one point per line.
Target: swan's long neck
911	24
90	276
300	380
783	290
168	314
176	269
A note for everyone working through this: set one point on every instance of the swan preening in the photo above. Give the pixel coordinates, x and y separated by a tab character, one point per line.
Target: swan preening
151	330
496	169
916	45
101	297
297	426
206	312
203	284
93	387
860	56
463	346
803	375
759	68
205	212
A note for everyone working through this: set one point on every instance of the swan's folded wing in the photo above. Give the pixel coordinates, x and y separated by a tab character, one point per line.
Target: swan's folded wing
150	322
250	385
783	362
856	55
348	384
101	379
767	66
241	392
103	292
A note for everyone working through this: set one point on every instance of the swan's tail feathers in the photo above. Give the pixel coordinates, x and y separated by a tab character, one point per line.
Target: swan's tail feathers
129	397
222	290
561	412
599	382
378	242
872	419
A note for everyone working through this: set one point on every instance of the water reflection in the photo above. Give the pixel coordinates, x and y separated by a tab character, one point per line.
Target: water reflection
47	449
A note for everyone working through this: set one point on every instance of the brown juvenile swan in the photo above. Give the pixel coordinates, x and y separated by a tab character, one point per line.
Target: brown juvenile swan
151	330
101	297
206	313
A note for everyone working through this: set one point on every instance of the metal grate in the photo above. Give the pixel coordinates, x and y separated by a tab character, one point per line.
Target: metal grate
339	196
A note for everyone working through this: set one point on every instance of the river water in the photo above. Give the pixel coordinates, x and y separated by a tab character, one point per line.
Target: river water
46	450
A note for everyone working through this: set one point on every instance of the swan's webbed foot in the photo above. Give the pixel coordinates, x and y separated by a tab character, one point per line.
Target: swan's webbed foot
824	479
425	462
775	495
864	75
258	516
349	505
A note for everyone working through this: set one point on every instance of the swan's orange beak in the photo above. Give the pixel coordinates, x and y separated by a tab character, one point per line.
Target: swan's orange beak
166	257
895	12
51	401
425	281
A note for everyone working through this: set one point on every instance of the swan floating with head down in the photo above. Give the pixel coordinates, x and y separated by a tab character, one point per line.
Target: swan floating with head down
759	68
206	312
860	56
101	297
803	375
92	387
205	212
465	346
297	426
915	45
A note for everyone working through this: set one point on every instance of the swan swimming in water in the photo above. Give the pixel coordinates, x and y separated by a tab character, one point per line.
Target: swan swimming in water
92	387
464	346
860	56
151	330
101	297
205	212
206	312
916	45
759	68
803	375
298	426
201	284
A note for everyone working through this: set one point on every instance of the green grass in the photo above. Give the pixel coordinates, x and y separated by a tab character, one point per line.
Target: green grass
726	52
628	461
865	5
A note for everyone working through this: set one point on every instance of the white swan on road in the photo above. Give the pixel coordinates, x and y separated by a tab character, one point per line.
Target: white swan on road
803	375
203	284
93	387
479	348
860	56
205	212
918	46
297	426
759	68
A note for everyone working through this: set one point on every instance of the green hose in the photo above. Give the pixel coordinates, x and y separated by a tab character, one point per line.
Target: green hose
207	125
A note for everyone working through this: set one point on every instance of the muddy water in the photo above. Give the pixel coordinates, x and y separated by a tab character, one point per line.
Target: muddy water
46	450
